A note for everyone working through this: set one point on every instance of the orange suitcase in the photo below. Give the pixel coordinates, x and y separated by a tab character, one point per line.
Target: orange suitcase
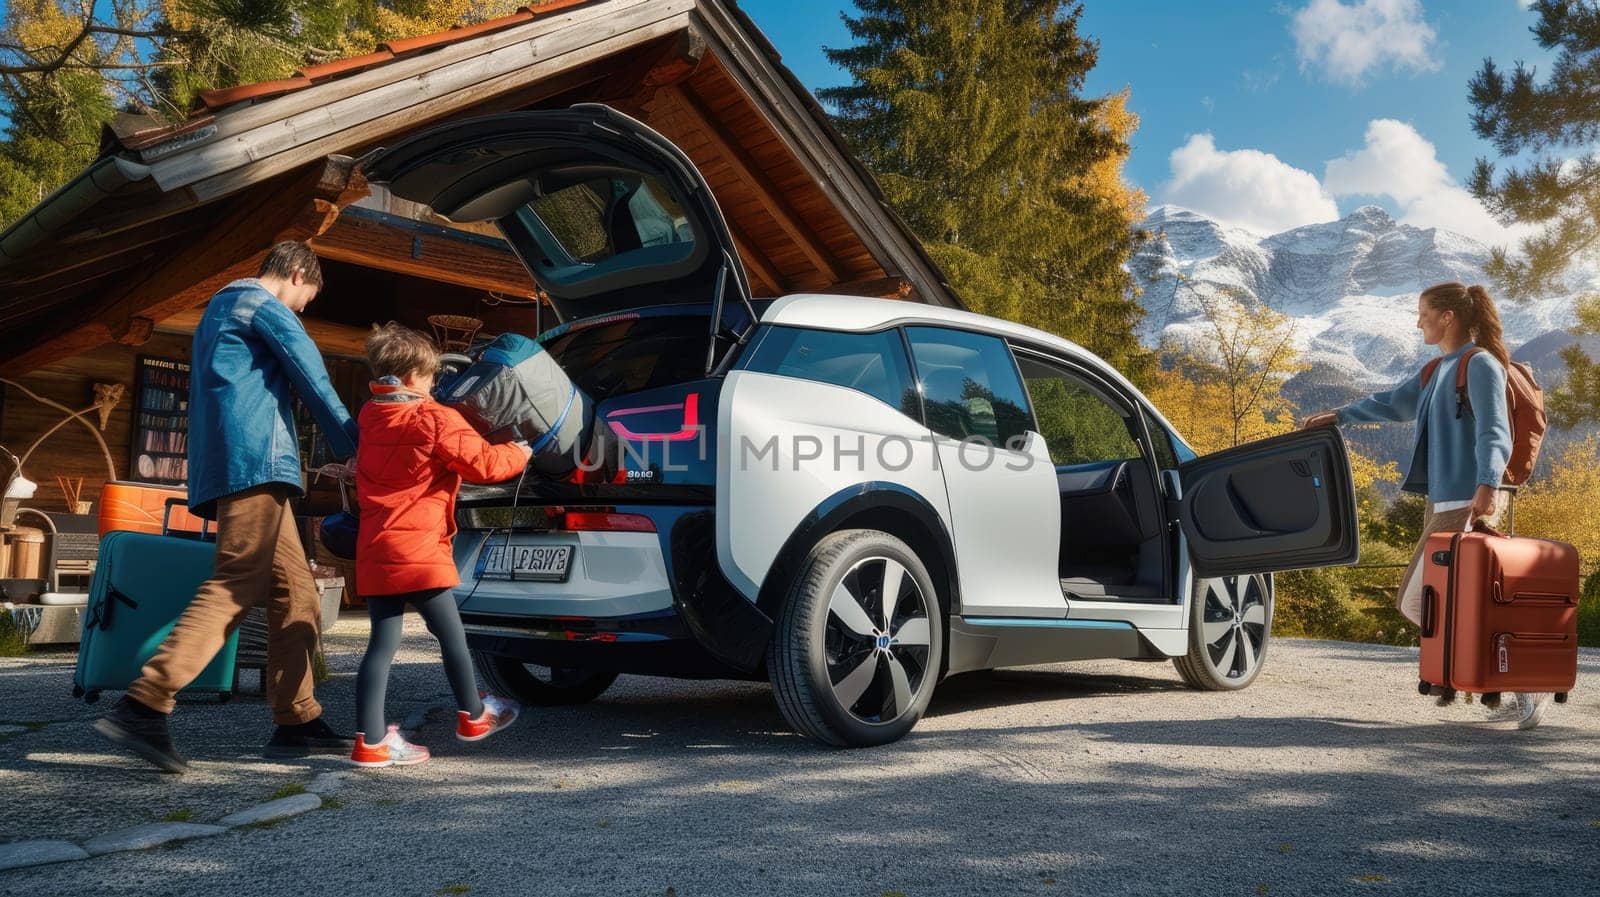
1499	613
140	508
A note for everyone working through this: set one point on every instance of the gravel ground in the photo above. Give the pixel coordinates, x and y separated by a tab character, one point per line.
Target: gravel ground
1328	776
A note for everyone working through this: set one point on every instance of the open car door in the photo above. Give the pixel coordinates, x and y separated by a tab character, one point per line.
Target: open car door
605	213
1284	503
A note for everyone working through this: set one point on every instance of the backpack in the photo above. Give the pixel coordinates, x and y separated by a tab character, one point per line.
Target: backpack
1524	407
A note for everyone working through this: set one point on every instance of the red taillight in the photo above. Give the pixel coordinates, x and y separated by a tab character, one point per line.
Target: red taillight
601	521
690	429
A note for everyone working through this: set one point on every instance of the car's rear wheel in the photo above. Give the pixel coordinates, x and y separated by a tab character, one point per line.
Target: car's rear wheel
540	686
1230	625
856	651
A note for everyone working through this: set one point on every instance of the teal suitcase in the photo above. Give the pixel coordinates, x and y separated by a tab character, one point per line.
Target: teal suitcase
141	585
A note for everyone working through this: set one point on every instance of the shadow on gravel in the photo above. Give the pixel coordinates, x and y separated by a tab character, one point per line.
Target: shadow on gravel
1003	688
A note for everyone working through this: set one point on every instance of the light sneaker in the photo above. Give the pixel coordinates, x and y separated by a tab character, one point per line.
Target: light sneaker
1532	706
393	750
497	713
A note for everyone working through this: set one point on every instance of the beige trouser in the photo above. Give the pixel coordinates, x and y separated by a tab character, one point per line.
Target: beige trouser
1409	598
259	558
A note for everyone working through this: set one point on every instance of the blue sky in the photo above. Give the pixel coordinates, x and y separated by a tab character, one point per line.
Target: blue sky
1280	113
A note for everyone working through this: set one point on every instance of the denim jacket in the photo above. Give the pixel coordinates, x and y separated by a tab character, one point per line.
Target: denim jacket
249	350
1453	454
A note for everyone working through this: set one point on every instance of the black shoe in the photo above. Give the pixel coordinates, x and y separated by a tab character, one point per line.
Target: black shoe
306	739
137	728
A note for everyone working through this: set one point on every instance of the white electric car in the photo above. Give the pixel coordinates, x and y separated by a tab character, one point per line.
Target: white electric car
853	498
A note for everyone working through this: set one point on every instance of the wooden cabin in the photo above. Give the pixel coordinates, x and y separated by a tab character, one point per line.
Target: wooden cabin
103	281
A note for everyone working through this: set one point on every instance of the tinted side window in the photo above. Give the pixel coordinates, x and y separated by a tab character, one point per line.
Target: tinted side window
1079	423
970	386
873	363
1165	456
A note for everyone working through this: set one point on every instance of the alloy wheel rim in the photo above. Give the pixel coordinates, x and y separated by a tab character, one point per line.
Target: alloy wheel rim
878	640
1233	623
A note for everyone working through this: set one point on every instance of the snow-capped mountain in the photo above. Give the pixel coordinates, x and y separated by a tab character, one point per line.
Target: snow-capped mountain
1350	285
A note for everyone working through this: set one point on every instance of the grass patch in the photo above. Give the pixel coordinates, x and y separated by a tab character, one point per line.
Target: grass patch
319	668
332	803
13	641
184	815
386	802
267	823
289	790
454	889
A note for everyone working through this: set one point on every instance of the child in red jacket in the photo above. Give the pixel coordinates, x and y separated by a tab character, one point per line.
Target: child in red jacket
412	457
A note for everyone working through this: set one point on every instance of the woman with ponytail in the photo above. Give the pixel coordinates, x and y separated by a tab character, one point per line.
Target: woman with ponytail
1458	460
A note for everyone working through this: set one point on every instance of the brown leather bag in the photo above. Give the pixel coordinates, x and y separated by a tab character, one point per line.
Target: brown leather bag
1524	407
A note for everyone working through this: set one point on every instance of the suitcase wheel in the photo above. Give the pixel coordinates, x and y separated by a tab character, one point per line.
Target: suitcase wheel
1561	697
1423	688
91	697
224	697
77	691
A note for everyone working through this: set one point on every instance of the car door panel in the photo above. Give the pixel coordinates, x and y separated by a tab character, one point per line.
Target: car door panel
1282	503
1007	524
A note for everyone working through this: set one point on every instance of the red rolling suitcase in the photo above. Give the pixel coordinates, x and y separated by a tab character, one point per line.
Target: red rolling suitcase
1499	613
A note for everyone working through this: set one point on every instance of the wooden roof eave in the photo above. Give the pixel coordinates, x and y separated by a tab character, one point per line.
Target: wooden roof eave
807	134
253	143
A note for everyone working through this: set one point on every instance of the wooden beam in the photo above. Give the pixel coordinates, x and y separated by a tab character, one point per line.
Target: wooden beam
891	287
756	265
423	251
343	340
729	150
291	208
630	88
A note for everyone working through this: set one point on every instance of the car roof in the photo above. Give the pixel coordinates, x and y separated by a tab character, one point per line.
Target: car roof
856	313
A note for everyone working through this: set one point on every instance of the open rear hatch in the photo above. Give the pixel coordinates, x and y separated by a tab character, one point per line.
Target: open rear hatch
605	213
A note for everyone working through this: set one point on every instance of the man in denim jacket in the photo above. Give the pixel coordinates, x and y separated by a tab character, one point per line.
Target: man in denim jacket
250	351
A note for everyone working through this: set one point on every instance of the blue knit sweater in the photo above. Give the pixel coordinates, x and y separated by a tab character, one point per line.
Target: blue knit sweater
1453	455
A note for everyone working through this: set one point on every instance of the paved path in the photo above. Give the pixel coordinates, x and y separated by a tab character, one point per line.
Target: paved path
1329	776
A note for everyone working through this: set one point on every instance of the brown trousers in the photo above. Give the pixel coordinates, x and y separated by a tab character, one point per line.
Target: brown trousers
259	558
1409	598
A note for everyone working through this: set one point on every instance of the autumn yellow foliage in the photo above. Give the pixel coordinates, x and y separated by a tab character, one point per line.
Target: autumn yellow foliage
1565	504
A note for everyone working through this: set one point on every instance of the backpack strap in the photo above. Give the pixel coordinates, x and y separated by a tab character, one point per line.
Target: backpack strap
1462	399
1429	369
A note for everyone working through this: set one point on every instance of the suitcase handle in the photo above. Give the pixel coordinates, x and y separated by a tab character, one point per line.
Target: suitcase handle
1430	610
166	518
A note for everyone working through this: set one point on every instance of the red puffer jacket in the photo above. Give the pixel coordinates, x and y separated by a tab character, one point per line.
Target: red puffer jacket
410	462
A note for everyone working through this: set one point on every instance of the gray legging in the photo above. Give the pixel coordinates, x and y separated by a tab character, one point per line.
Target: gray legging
438	609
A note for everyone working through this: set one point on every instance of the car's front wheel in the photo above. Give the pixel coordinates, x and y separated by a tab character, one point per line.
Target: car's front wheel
856	650
540	686
1230	624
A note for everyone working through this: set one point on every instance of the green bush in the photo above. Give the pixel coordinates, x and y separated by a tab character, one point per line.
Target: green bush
13	641
1589	612
1317	604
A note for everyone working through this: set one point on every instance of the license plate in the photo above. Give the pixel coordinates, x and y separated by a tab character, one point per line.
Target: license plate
545	563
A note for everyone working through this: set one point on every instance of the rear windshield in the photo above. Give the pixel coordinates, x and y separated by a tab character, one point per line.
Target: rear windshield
626	353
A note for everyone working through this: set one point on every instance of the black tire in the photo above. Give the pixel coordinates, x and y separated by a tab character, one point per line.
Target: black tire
866	681
1230	630
536	686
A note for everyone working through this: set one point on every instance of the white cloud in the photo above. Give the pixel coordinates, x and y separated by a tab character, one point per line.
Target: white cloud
1399	163
1245	188
1343	43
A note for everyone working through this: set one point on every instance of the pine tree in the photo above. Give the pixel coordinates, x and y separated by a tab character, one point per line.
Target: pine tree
971	115
1560	196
